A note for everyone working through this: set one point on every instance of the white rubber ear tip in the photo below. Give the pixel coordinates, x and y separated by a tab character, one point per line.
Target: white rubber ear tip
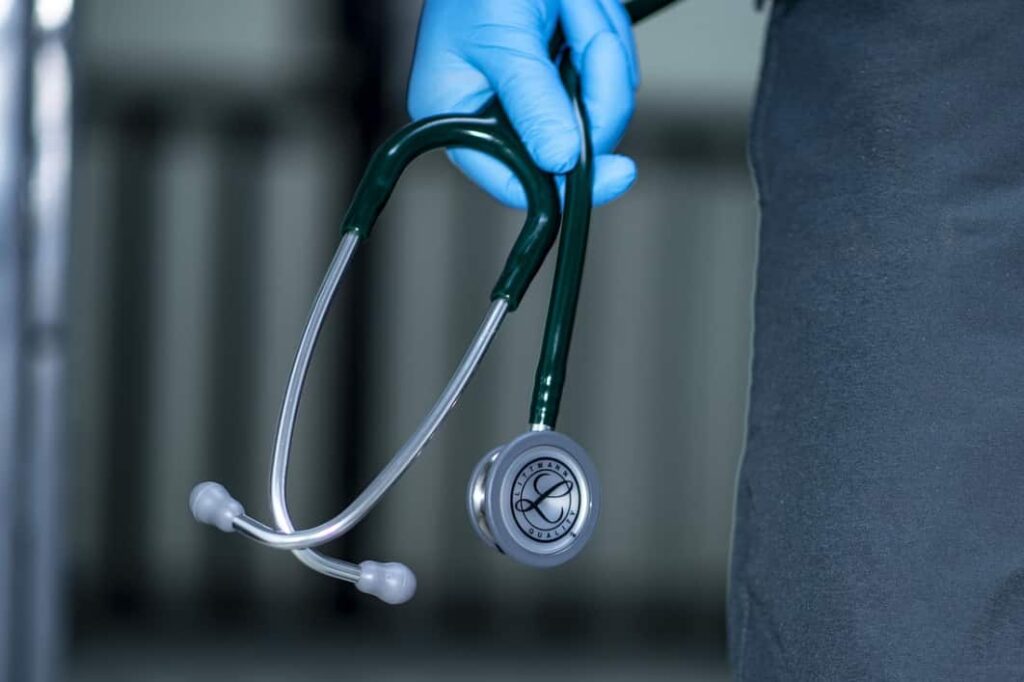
392	582
212	504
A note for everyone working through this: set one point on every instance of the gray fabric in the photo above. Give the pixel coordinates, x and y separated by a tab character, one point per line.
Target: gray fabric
880	509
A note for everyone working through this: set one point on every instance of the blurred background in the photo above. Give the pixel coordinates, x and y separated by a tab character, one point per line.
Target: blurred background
172	175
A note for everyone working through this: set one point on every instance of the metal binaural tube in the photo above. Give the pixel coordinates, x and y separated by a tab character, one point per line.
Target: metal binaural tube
321	563
361	506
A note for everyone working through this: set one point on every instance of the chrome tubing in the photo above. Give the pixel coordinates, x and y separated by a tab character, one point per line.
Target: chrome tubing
339	525
211	503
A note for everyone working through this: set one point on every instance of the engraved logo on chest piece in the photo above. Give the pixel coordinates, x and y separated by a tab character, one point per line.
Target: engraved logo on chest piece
545	500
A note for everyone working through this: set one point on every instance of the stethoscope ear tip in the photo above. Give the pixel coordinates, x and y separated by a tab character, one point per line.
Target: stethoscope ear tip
212	504
392	582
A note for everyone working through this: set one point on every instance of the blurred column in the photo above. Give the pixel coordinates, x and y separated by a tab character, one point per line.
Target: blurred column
35	148
13	60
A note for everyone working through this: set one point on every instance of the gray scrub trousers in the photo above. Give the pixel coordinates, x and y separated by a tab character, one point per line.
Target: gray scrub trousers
880	505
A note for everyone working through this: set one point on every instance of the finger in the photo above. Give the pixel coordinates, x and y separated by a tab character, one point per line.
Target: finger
620	21
608	94
516	63
613	175
583	21
458	87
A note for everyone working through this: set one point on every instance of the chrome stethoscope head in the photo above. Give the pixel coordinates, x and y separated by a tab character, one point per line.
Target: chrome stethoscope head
535	499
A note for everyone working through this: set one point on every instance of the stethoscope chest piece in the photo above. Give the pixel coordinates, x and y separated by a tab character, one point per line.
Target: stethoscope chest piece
535	499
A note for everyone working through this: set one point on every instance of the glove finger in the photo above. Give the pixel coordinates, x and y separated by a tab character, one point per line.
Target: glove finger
582	21
516	63
441	81
608	94
457	88
613	175
623	25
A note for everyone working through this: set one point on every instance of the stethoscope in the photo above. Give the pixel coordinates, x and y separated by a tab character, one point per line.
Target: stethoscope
536	498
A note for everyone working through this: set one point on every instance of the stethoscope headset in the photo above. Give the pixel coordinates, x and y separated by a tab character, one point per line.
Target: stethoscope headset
536	498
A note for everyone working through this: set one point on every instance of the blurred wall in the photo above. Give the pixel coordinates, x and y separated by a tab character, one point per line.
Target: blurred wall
217	144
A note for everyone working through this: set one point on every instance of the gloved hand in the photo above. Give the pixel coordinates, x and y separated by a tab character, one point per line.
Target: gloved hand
468	50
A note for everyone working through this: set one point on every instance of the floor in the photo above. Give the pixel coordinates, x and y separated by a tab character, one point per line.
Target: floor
129	659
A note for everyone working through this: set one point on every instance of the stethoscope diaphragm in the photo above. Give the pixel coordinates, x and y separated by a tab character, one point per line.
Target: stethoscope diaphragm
535	499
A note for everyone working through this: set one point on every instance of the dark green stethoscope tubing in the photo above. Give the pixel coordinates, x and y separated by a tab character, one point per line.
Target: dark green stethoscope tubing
572	251
491	133
572	245
641	9
488	132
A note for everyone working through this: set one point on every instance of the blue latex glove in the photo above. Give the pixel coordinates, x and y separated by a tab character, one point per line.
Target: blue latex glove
468	50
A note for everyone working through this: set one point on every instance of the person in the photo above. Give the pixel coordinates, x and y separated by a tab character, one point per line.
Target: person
879	530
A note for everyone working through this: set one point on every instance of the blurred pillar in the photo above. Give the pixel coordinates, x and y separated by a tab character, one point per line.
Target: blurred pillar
35	157
13	94
363	30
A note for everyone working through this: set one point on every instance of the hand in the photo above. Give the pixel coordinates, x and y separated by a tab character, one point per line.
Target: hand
469	50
